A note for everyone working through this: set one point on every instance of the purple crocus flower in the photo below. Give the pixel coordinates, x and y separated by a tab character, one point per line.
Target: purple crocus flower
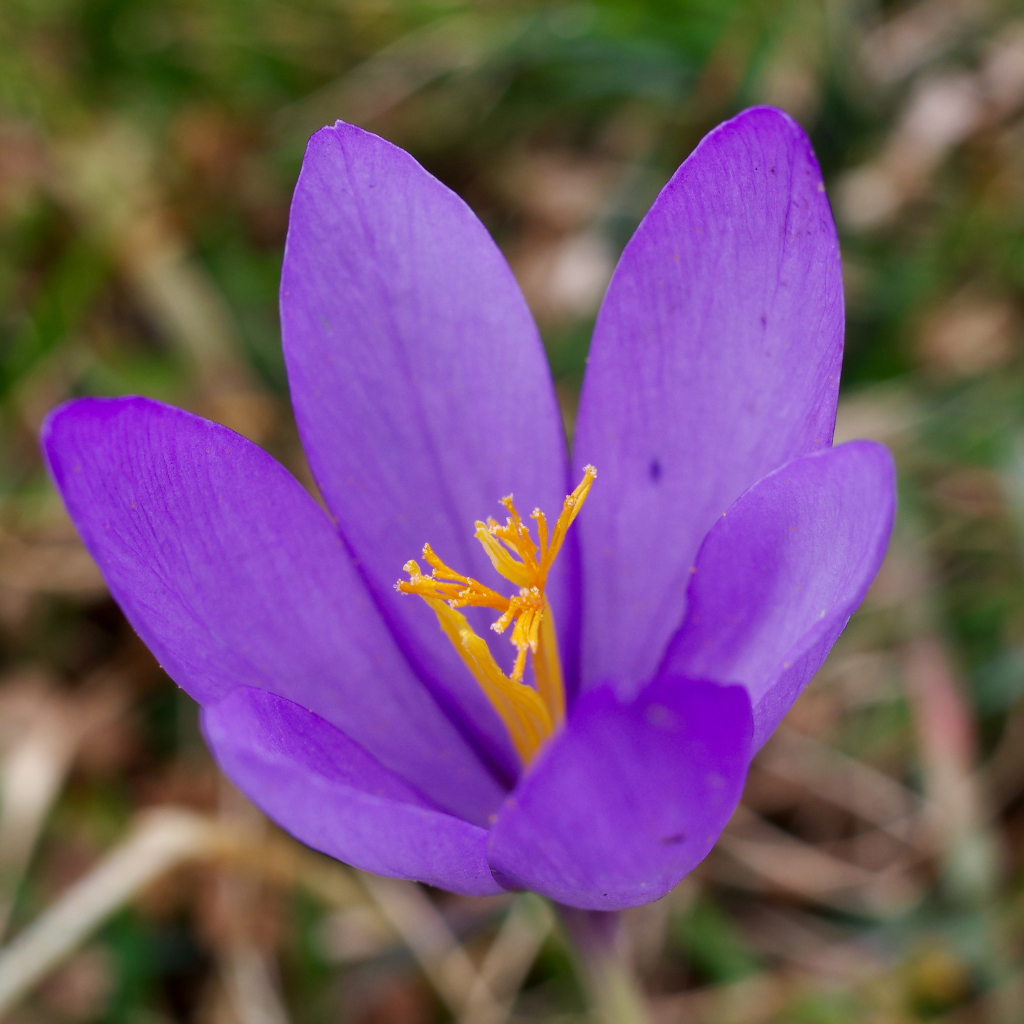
719	553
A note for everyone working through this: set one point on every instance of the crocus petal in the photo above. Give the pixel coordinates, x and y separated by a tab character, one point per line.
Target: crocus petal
715	360
419	383
782	572
233	575
629	797
329	792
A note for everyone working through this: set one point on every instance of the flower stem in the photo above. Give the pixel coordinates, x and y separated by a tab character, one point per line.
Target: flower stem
607	975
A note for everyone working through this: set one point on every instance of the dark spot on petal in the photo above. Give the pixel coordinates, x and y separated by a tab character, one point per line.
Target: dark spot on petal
764	319
673	840
660	717
654	471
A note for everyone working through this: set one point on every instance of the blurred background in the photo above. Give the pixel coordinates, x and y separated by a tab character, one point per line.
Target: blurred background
148	149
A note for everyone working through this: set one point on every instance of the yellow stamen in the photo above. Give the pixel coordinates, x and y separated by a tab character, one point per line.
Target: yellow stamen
530	715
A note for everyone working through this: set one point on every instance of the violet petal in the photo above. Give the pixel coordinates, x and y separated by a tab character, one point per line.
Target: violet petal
420	387
629	797
781	573
715	360
233	575
327	791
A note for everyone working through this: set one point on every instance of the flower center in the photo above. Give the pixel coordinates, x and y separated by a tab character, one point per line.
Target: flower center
530	714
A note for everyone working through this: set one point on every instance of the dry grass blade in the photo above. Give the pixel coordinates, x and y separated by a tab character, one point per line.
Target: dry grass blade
248	979
917	34
504	969
874	797
247	961
160	840
751	1001
943	110
369	90
444	961
41	735
780	859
